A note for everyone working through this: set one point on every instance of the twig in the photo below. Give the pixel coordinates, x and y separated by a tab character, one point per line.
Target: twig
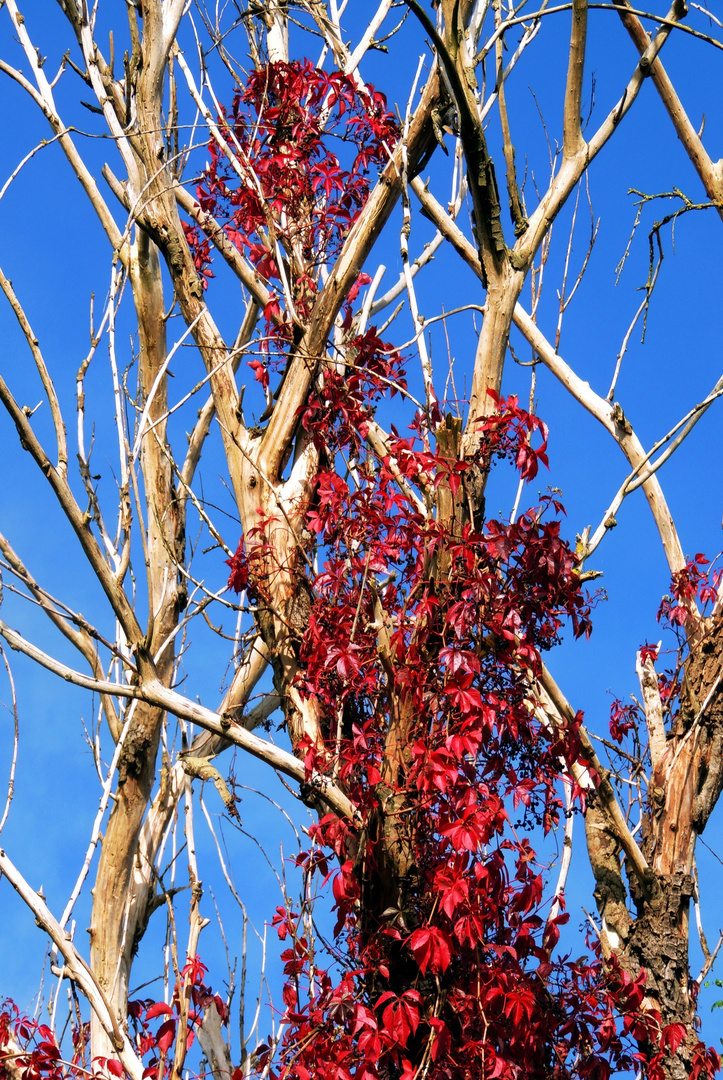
566	860
16	736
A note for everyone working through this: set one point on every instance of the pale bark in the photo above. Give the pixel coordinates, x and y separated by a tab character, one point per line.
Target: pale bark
121	895
710	172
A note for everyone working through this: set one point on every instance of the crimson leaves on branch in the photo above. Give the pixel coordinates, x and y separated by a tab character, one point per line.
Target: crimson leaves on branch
460	974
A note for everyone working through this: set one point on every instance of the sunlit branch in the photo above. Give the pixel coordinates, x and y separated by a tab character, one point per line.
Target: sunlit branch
602	784
367	39
404	248
75	967
34	346
244	681
513	191
687	424
565	298
208	410
70	624
572	131
197	924
186	493
144	428
426	255
624	347
400	285
210	1035
574	164
21	164
44	100
615	423
16	733
653	708
528	36
644	469
102	807
369	298
95	339
429	250
162	697
712	957
172	12
566	857
670	22
72	511
120	560
110	103
494	255
710	173
439	318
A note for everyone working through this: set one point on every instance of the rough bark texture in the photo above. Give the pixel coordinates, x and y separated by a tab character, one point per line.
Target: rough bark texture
685	786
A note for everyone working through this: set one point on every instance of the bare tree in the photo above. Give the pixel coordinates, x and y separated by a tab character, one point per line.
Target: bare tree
135	132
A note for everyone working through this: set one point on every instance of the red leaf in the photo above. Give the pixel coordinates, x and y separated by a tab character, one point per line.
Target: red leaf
648	652
432	949
159	1009
165	1036
673	1036
442	1038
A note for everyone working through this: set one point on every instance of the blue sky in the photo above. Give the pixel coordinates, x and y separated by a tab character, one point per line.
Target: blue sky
51	247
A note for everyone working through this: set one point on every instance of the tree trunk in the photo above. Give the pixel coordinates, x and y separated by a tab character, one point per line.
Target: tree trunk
123	886
685	785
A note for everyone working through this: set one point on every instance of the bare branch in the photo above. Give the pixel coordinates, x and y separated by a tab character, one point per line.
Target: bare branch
154	693
16	733
710	173
602	785
653	707
573	167
71	625
40	364
573	141
72	511
566	858
43	98
513	191
614	421
75	968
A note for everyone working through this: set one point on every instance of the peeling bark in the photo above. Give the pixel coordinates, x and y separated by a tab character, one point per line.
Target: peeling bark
686	782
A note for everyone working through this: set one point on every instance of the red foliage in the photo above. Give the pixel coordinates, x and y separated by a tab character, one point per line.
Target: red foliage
690	585
623	718
462	975
37	1056
288	184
